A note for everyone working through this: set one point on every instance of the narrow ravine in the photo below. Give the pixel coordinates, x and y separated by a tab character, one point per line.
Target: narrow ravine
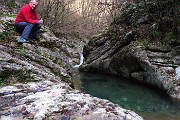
152	104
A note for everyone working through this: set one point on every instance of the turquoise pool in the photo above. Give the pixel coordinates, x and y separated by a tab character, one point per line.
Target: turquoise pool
151	103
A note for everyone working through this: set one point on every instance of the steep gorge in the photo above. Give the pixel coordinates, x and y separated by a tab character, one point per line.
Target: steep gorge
139	47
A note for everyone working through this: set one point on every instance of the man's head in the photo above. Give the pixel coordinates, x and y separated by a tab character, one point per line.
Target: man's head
33	4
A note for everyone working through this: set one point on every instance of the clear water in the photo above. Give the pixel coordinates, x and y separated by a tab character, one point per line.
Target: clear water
150	103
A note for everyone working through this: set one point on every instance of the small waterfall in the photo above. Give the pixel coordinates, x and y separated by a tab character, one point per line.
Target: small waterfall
77	83
69	61
81	60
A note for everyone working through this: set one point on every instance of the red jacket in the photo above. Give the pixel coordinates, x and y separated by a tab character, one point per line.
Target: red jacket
26	14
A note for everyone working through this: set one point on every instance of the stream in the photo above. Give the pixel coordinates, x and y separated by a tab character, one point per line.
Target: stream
150	103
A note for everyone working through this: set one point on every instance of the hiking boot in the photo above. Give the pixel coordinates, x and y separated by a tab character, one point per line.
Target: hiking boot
22	40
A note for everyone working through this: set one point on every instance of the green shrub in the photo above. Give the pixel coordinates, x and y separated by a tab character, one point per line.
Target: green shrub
8	32
2	81
130	14
168	37
11	4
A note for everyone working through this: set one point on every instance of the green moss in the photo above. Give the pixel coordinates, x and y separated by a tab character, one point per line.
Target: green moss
11	61
11	4
2	37
168	37
130	14
8	32
57	61
21	77
22	52
140	42
66	79
45	55
2	82
77	83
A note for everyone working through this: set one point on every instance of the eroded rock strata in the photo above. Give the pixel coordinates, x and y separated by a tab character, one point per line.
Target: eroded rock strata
36	79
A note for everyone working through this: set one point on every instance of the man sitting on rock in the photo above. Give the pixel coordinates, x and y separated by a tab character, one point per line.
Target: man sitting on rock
27	22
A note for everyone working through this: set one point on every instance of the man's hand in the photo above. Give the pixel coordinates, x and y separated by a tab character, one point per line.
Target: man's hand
41	21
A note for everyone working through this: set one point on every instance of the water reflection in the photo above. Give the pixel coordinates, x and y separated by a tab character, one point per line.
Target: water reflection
152	104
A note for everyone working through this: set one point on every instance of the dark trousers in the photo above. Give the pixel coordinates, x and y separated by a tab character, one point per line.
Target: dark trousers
27	30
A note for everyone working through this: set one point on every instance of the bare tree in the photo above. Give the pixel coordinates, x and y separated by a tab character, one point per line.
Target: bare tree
83	17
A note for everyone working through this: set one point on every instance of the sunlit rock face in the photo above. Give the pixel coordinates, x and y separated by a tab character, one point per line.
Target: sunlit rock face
38	92
56	100
35	81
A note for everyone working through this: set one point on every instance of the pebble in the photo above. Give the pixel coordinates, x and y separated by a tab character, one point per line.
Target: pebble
128	117
109	109
7	113
7	93
24	111
30	116
28	102
14	112
63	117
1	113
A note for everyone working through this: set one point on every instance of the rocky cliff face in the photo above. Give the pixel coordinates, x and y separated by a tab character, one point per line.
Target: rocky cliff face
155	66
35	80
136	52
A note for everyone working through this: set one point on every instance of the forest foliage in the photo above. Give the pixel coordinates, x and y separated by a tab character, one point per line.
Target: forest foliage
154	20
84	18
